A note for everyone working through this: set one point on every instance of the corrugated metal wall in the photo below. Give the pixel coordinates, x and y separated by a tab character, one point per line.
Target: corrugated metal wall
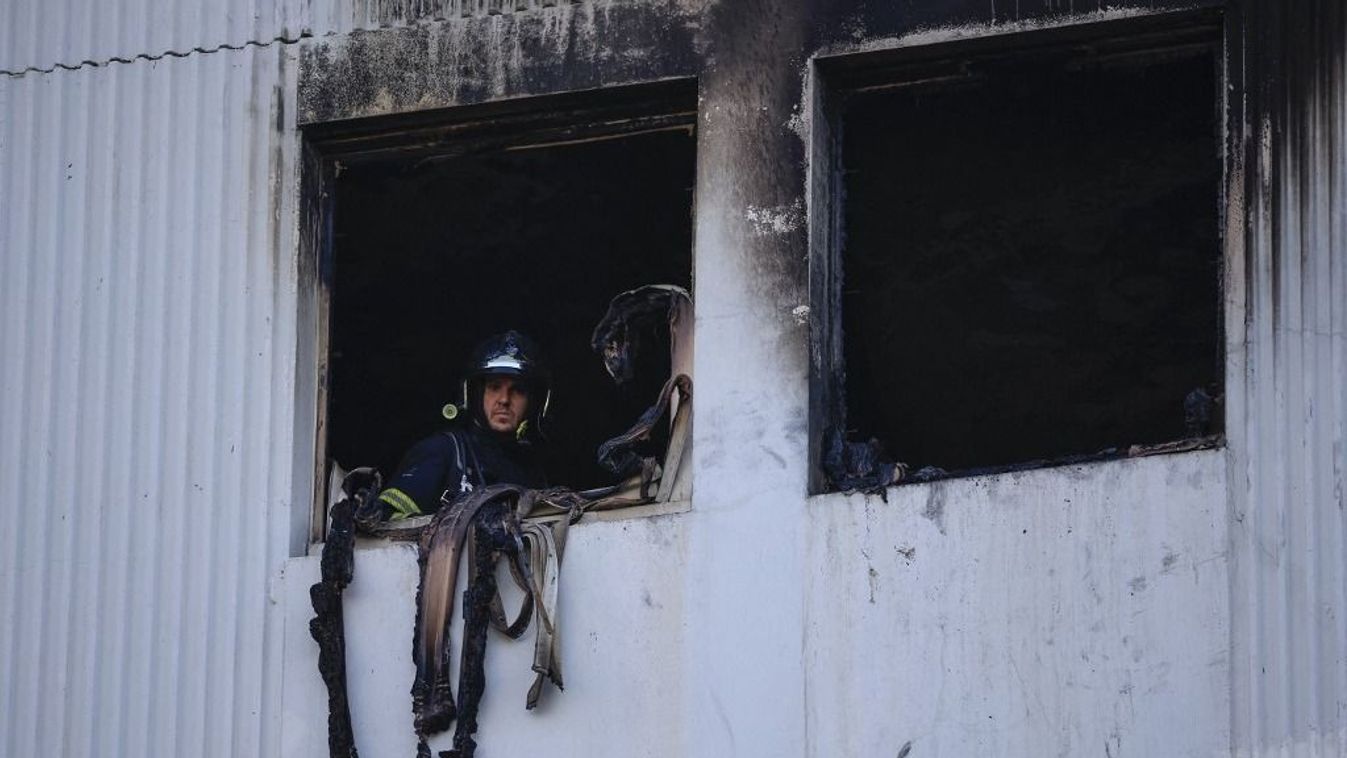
147	403
1289	414
42	34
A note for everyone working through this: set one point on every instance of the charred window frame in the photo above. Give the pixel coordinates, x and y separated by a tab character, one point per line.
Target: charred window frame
840	81
517	127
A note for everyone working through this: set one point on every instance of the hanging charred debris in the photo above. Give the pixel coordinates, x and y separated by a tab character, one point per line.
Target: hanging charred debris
641	328
328	625
860	466
484	527
645	330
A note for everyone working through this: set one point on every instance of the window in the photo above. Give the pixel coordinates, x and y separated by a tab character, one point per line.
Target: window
1029	249
442	232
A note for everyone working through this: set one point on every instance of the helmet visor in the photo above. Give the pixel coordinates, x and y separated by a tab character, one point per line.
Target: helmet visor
503	364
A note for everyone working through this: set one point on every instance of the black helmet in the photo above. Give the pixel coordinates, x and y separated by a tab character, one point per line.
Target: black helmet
509	354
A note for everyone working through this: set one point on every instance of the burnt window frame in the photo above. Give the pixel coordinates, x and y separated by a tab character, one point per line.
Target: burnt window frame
833	77
530	122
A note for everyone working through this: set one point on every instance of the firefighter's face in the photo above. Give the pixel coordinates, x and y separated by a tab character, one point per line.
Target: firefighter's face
505	403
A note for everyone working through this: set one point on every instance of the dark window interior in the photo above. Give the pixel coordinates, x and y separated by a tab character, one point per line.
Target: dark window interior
432	254
1031	265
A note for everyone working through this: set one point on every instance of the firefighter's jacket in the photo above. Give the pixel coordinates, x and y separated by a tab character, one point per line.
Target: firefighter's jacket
457	460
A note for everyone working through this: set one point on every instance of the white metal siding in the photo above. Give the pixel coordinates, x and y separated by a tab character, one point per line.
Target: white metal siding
146	405
1289	392
42	34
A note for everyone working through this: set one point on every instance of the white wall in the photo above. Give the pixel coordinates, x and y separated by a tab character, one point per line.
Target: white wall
1072	611
1068	611
622	635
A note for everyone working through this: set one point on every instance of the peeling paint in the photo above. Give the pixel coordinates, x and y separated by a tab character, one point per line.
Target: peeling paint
782	219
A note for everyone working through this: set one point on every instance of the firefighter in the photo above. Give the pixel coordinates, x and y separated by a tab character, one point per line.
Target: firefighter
505	397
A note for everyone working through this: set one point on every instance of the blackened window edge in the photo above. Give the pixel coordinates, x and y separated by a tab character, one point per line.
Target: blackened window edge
834	76
517	122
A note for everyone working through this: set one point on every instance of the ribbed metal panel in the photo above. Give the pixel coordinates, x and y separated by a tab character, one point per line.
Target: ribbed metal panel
42	34
146	405
1289	510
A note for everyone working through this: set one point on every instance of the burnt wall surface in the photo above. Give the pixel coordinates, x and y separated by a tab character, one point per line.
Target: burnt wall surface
457	52
751	59
471	60
1289	387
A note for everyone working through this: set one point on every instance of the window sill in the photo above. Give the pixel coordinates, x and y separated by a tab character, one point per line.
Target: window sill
649	510
1198	445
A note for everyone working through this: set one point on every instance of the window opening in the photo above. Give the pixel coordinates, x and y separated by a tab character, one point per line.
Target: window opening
1030	259
437	243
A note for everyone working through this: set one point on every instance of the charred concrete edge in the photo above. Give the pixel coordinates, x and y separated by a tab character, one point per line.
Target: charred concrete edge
419	68
932	496
103	63
932	41
514	121
1072	26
